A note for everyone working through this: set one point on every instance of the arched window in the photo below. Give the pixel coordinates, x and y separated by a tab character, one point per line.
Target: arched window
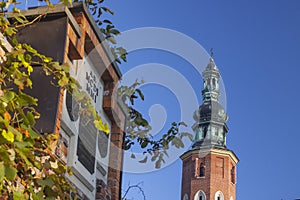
185	197
202	170
214	83
233	175
200	195
205	132
219	195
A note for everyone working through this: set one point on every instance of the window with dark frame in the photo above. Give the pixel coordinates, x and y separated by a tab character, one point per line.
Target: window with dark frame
233	175
202	170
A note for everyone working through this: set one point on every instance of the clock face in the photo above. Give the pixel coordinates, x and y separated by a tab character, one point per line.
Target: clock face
221	112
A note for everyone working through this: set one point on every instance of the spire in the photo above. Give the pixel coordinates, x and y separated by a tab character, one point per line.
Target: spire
210	118
211	76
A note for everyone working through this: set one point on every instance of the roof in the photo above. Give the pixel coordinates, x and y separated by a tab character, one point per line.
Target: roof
62	10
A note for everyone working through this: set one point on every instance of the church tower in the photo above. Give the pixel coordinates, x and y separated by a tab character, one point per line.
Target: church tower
209	168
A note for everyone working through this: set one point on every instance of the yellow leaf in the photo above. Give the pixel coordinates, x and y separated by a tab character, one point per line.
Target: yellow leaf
47	60
26	132
100	126
106	129
9	136
29	69
54	165
7	116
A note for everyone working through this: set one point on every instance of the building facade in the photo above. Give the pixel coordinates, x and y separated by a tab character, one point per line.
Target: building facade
70	35
209	167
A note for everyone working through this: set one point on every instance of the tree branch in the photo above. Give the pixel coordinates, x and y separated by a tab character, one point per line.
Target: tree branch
135	186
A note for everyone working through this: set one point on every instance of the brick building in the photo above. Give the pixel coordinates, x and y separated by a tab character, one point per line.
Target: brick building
209	168
70	35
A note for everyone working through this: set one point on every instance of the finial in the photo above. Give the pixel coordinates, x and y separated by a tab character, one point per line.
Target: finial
211	52
211	55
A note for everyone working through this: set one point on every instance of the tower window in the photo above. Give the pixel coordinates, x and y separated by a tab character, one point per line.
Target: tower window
233	175
202	170
200	195
185	197
219	196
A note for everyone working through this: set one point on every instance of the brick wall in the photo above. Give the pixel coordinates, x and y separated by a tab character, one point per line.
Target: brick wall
218	172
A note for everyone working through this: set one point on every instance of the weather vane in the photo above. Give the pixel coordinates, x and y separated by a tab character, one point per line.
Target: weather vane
211	52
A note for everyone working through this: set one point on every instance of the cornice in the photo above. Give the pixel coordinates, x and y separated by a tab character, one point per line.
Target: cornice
204	152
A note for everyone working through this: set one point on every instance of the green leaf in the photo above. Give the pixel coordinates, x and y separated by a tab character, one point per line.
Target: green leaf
10	31
126	147
2	171
30	118
8	96
107	10
46	182
23	146
25	157
66	2
25	99
144	143
114	31
65	68
32	133
107	21
18	195
28	57
63	81
10	173
140	94
4	155
9	136
112	40
19	83
19	19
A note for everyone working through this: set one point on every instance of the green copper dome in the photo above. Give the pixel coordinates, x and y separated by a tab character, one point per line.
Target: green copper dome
210	118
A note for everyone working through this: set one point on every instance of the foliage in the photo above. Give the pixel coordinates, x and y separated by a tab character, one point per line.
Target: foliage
107	28
28	167
138	129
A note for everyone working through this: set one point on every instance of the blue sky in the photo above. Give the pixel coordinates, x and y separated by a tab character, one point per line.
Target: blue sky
257	50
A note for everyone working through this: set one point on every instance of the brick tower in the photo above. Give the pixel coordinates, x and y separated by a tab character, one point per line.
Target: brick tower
209	168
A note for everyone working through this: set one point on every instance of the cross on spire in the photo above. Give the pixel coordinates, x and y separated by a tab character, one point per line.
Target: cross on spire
211	52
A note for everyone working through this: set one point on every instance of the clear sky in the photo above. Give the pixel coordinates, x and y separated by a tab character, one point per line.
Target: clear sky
257	51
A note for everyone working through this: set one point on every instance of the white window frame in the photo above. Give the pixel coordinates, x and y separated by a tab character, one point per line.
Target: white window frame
219	194
185	197
197	195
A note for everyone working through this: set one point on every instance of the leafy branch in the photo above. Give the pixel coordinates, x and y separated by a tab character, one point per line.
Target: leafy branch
138	129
